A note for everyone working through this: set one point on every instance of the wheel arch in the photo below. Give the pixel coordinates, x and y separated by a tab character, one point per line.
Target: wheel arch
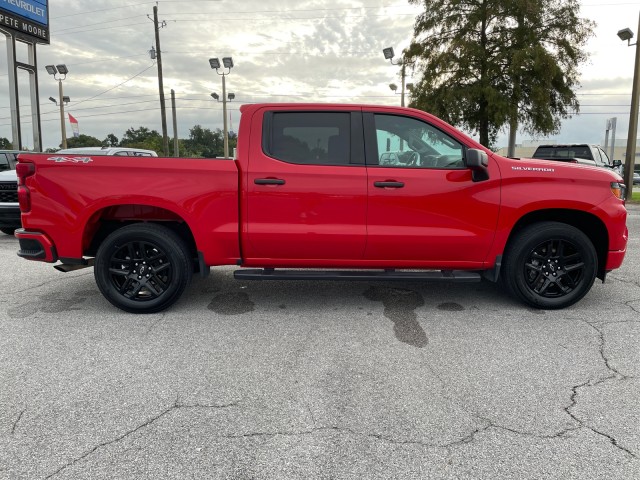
588	223
108	219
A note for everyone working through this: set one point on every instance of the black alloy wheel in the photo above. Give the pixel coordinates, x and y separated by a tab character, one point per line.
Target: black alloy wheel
143	268
550	265
554	268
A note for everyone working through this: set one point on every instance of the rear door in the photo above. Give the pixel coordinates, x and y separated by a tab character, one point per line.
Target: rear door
306	187
424	208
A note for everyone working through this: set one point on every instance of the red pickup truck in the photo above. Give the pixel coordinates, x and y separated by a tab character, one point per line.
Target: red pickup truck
348	192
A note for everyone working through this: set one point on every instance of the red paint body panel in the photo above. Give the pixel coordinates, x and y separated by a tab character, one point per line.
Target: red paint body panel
320	213
323	215
202	192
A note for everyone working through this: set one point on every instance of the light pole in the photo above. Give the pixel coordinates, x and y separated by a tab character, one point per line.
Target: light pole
388	55
626	35
227	63
229	97
61	72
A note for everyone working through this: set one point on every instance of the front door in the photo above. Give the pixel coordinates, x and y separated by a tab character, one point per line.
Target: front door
424	208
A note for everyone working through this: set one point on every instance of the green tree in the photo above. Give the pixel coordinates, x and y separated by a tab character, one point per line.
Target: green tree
489	63
142	137
203	142
110	141
5	144
83	141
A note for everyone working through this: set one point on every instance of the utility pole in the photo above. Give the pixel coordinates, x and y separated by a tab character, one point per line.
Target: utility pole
163	112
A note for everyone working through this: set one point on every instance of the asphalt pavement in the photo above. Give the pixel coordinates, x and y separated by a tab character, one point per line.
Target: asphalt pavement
317	380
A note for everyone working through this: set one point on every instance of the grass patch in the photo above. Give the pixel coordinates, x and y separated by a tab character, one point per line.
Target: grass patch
635	196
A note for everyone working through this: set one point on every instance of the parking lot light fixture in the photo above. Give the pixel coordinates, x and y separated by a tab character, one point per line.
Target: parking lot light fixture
388	55
626	34
59	73
227	63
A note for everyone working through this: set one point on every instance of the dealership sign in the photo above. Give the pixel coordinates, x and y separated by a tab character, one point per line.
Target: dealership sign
30	18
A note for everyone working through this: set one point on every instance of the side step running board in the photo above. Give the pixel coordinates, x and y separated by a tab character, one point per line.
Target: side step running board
362	275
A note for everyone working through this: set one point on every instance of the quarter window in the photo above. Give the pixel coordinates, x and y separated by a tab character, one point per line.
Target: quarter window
410	143
316	138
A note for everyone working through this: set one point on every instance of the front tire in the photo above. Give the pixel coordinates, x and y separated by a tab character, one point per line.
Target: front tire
143	268
550	265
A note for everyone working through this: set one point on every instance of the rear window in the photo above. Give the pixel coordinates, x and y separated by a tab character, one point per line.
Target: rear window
316	138
574	151
7	161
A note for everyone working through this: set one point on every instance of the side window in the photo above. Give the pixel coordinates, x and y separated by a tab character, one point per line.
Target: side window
314	138
121	153
605	157
410	143
4	162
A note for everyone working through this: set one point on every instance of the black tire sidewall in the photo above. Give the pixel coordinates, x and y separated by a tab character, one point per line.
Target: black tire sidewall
530	238
168	242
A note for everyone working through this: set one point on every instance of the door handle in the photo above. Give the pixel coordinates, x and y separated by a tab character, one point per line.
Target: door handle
388	184
269	181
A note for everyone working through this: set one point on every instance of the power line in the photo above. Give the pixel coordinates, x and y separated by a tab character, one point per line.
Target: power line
119	85
232	12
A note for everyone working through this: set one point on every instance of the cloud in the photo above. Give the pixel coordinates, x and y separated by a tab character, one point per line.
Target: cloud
289	51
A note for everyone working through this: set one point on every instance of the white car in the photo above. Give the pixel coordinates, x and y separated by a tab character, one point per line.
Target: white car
120	151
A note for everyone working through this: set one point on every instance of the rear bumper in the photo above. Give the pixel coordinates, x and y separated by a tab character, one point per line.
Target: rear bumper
36	246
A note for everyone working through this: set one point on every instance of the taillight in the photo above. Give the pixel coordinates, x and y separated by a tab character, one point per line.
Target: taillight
24	170
24	198
619	190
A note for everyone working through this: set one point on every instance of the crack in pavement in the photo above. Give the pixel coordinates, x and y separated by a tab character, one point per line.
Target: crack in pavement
153	325
602	342
574	401
176	406
614	375
622	280
56	280
15	424
628	304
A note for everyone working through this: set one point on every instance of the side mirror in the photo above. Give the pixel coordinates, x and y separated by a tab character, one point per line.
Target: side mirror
478	161
616	163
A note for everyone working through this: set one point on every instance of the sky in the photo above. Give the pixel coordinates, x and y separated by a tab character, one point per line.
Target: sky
285	51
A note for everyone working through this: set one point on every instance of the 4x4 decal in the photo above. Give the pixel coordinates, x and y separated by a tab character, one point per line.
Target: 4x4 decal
70	159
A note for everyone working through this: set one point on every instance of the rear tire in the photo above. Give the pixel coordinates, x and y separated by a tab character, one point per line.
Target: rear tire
550	265
8	231
143	268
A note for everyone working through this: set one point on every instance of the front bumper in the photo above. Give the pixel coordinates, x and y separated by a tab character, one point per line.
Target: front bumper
36	246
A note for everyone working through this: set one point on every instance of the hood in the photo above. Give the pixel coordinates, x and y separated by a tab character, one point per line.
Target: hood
8	176
568	169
